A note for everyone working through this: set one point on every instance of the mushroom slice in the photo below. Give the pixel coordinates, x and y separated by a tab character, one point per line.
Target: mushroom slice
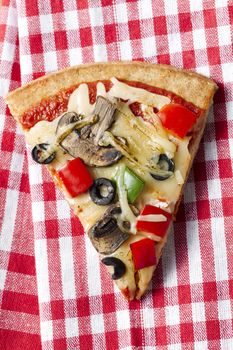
91	154
106	235
106	113
66	119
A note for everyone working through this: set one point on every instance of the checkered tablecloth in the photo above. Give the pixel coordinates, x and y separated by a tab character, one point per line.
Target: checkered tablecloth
68	300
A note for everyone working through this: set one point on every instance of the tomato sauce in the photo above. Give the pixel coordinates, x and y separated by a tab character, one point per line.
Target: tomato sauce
53	106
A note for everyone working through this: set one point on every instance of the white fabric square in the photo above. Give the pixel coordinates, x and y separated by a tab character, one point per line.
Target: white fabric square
23	26
71	325
67	268
35	174
198	312
219	245
8	51
195	271
121	13
229	106
71	20
199	41
224	310
195	5
2	278
63	209
214	189
149	47
96	16
46	23
50	61
172	315
205	70
93	269
211	150
75	56
126	50
170	7
17	162
97	324
169	263
38	213
174	347
46	330
201	345
231	147
100	53
26	64
4	88
174	43
224	35
12	17
148	317
41	258
221	3
226	344
145	9
123	320
227	72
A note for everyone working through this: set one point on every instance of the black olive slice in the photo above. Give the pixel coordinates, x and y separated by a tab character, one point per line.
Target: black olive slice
165	165
102	191
118	265
41	154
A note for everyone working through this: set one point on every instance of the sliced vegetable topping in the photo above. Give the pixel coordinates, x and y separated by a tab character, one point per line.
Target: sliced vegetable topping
43	153
154	220
117	264
75	177
177	119
102	191
165	166
143	253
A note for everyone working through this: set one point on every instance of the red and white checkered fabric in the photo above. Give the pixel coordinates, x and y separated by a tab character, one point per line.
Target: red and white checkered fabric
190	302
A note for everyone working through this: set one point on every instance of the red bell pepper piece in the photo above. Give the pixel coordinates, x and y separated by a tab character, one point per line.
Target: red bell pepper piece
143	253
157	228
75	177
177	119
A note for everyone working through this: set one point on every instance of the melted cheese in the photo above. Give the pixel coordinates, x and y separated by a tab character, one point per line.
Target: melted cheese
79	101
152	218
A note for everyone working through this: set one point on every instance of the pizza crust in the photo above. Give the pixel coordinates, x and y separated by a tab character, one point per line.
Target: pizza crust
184	83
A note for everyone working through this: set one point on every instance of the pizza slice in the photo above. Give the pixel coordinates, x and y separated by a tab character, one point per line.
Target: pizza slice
118	140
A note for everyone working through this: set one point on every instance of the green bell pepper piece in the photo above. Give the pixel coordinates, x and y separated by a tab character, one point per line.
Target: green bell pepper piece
133	183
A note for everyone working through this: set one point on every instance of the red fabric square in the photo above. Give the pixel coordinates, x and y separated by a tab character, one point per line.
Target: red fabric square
158	298
16	340
227	205
221	130
186	332
2	31
161	335
212	329
51	227
225	168
189	59
106	2
83	306
184	294
86	37
200	171
81	5
59	344
8	140
32	8
57	6
36	43
134	29
57	309
61	40
163	59
213	55
16	71
210	18
136	336
203	209
185	22
4	175
112	338
110	33
85	342
24	184
22	263
209	291
230	12
160	25
77	228
20	302
49	191
109	305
